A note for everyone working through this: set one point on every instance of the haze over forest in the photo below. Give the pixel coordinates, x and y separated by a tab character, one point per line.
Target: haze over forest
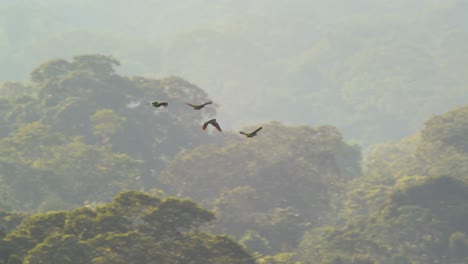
375	69
362	159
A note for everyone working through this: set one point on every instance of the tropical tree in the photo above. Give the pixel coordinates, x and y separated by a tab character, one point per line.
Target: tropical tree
134	228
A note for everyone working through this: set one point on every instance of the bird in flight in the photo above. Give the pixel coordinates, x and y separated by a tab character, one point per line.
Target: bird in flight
198	107
251	134
159	104
213	123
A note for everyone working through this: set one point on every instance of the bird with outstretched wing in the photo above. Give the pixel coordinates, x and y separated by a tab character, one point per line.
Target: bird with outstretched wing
198	107
251	134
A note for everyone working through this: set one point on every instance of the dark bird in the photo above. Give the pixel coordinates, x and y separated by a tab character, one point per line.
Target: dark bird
159	104
213	123
198	107
251	134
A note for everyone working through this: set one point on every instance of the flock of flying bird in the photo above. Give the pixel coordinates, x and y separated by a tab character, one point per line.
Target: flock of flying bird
212	122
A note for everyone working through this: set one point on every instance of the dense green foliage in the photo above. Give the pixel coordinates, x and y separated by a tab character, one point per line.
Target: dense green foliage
425	222
133	228
411	204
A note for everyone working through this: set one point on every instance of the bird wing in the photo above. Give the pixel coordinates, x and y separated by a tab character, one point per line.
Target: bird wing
191	105
215	124
164	103
205	125
207	103
258	129
243	133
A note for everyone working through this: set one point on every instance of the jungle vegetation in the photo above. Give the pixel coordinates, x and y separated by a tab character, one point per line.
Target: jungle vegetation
362	157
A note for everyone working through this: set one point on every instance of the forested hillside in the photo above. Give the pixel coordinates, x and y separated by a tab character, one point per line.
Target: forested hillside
360	154
410	205
79	136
